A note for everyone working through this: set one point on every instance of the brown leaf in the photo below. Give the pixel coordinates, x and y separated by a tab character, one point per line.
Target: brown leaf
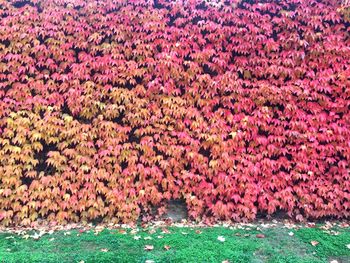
166	247
122	231
314	243
198	232
149	247
260	235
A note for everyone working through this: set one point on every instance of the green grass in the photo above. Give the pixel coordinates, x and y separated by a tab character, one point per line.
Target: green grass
240	245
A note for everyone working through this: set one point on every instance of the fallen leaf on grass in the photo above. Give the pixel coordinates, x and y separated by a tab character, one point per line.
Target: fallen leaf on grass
184	233
260	235
334	261
166	247
291	234
198	232
348	246
344	225
36	236
104	250
137	237
51	239
134	231
221	239
314	243
159	236
152	231
225	261
165	230
149	247
26	236
147	238
311	225
122	231
10	237
149	261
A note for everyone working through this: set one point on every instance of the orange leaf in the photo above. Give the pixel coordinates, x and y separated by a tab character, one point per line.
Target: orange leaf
166	247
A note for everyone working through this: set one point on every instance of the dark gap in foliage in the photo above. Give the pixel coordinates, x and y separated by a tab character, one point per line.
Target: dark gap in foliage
5	42
208	70
246	145
176	210
119	119
262	132
97	53
275	157
279	214
172	19
76	52
138	80
133	138
97	220
27	181
182	90
278	106
204	152
42	38
274	35
129	86
289	156
83	120
113	10
240	74
42	157
4	15
158	5
216	107
159	48
187	167
20	4
66	110
204	32
196	19
39	8
202	6
157	151
136	178
7	88
124	165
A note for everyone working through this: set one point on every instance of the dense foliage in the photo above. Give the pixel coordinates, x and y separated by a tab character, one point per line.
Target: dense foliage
109	108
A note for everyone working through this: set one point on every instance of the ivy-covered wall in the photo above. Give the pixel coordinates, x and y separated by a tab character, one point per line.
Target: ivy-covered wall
109	108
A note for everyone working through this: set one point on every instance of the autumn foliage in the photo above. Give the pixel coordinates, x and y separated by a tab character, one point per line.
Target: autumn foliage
109	108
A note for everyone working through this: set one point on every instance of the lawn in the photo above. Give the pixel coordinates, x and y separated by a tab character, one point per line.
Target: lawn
245	243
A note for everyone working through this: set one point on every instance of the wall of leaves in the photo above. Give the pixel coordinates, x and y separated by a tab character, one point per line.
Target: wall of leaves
109	108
